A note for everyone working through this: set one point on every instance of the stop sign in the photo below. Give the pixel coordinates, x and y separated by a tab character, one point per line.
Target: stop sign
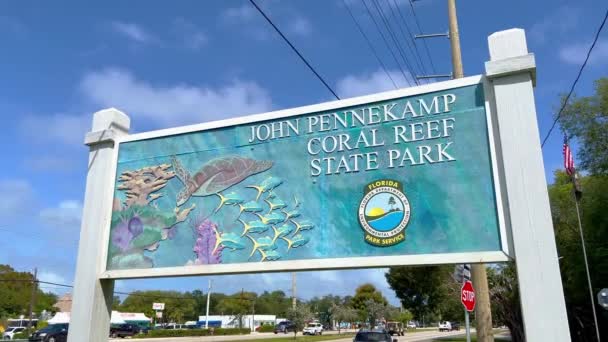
467	295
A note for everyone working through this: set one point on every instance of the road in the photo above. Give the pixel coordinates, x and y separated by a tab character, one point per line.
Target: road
409	337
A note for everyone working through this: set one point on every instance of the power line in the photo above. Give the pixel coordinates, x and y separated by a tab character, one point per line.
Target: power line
369	43
580	71
408	46
394	38
386	42
409	35
424	41
294	49
115	292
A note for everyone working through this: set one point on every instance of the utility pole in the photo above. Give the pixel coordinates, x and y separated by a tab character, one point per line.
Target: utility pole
483	312
293	290
207	311
33	297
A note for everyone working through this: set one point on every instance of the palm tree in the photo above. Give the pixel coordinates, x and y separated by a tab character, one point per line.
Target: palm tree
391	202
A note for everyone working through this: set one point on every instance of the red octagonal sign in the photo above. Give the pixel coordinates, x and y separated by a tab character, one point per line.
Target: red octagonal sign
467	295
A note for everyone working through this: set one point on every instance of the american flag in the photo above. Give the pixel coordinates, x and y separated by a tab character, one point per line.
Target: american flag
568	159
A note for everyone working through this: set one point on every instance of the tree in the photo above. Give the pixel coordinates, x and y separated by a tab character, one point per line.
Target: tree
424	290
364	293
586	119
273	303
342	314
178	306
504	295
374	311
404	317
238	305
15	293
391	202
593	208
322	308
299	316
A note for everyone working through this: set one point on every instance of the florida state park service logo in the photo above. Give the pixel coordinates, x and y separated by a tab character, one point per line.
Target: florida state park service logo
384	212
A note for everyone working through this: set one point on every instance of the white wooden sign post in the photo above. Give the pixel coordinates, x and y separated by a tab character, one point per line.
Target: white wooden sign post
512	72
92	299
517	176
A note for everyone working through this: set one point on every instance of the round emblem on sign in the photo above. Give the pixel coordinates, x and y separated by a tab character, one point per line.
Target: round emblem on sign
384	212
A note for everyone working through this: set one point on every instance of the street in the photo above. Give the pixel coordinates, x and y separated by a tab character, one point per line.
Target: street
424	335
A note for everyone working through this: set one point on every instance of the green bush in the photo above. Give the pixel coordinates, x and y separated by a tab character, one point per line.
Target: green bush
196	332
266	328
24	334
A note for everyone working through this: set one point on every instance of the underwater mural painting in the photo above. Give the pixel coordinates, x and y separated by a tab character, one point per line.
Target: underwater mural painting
409	175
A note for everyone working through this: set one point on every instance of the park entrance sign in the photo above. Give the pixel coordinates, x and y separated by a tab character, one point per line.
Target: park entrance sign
396	178
444	173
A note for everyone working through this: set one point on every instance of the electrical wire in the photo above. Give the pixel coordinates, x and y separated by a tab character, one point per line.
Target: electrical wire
369	43
424	41
409	35
386	42
580	71
294	49
395	40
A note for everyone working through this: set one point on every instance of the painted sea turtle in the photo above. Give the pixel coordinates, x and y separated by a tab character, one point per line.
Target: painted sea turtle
216	175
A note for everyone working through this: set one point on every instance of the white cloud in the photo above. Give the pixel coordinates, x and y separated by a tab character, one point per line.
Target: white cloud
16	197
300	26
133	31
377	81
51	163
52	277
63	128
173	105
239	14
556	23
576	53
190	35
66	215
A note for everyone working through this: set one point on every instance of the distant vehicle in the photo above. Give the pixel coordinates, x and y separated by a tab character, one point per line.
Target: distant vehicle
411	325
51	333
445	326
448	326
10	332
395	328
375	335
313	329
174	326
123	330
284	327
21	322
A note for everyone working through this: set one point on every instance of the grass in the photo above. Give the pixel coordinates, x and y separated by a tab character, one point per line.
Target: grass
301	338
473	337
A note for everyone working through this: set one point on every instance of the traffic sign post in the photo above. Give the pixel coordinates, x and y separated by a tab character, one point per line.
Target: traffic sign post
467	297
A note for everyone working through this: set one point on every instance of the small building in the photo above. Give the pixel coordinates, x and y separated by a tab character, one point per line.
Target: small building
134	318
231	321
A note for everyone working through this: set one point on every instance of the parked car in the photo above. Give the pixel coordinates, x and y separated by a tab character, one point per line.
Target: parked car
51	333
455	326
123	330
395	328
284	327
374	335
10	332
313	329
411	325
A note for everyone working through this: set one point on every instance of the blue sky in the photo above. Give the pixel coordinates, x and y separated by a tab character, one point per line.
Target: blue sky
174	63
